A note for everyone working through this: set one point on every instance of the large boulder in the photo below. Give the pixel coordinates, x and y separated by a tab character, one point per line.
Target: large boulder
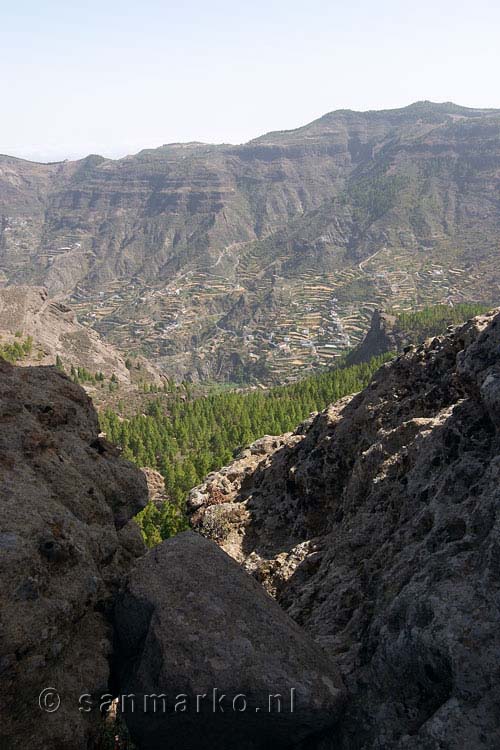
191	623
65	541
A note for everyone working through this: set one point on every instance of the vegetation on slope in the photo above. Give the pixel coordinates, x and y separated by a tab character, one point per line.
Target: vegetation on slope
372	197
432	321
185	435
187	438
17	351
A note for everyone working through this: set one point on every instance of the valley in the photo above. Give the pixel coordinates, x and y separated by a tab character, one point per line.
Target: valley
276	329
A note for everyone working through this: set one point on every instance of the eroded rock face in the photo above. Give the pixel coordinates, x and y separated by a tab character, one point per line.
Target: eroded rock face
65	540
191	623
156	486
377	529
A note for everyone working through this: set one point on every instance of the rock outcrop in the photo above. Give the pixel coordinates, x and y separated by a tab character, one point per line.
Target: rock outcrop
381	337
66	540
59	338
193	626
377	528
156	486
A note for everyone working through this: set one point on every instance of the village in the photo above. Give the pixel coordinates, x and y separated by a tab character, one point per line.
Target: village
313	319
310	325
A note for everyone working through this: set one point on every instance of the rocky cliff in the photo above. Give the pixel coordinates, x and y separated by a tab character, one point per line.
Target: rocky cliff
376	527
87	616
380	338
66	541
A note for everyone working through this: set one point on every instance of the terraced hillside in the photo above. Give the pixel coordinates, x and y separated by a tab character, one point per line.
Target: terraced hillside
38	330
264	261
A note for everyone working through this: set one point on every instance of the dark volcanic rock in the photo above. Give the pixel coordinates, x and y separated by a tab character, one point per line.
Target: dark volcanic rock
377	528
381	337
191	622
65	541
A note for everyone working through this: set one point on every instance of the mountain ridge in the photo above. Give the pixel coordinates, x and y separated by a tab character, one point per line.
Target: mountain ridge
448	107
53	336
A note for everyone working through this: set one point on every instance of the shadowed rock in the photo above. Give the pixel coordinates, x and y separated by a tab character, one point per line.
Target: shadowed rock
192	623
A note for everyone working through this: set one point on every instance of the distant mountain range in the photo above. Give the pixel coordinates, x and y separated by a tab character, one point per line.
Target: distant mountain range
264	260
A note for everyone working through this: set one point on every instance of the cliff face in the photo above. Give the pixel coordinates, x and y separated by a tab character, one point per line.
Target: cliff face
65	542
152	213
58	337
376	526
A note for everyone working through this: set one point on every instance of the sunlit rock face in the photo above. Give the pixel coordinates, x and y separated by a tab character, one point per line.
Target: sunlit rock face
376	527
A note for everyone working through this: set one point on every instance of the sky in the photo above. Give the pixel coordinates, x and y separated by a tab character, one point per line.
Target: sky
115	77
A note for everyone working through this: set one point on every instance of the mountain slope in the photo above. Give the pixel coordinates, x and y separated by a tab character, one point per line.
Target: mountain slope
356	210
54	336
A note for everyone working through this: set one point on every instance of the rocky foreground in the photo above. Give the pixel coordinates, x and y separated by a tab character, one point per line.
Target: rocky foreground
191	624
78	625
66	542
375	526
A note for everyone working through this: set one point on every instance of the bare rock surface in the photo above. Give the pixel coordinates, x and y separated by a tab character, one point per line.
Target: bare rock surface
192	623
377	528
381	337
156	486
66	539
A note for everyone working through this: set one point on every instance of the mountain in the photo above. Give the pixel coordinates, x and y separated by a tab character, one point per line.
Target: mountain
376	527
35	329
295	237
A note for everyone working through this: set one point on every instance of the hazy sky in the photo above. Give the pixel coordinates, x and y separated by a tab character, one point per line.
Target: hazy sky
113	77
